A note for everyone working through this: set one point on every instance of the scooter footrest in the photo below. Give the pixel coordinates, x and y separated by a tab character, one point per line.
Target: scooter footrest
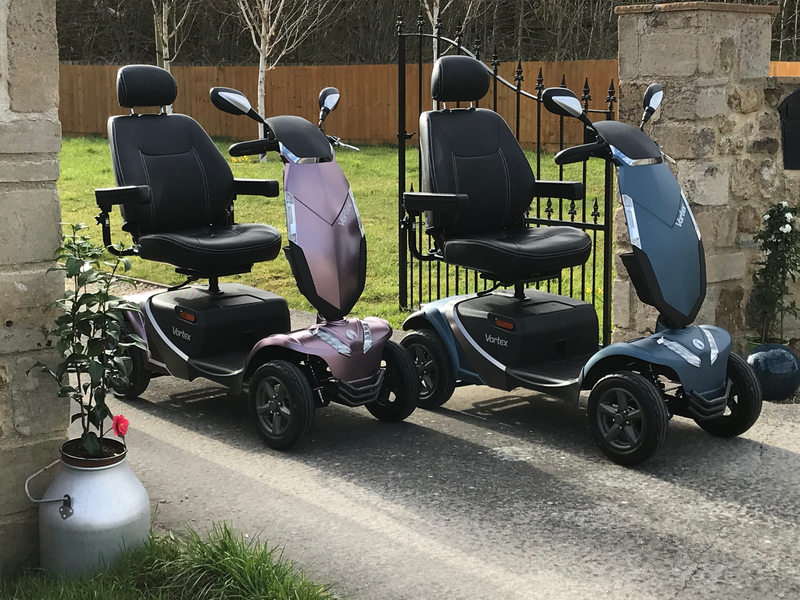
704	409
355	393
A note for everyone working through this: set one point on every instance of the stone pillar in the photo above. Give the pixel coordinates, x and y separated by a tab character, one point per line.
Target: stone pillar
33	421
719	122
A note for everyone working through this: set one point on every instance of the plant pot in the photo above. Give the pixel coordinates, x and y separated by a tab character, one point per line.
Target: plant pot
108	511
777	369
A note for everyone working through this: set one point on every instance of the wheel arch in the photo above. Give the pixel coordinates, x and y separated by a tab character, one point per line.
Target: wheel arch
268	353
637	361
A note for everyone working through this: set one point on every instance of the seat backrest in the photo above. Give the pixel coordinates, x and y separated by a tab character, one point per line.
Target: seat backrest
472	151
190	181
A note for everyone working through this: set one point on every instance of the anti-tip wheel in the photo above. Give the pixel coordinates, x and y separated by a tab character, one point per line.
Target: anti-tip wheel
281	404
400	390
434	370
627	416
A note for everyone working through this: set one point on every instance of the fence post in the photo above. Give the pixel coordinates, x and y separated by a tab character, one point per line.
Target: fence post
402	282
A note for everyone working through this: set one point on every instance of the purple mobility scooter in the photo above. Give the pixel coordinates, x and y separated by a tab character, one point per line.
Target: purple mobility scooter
176	194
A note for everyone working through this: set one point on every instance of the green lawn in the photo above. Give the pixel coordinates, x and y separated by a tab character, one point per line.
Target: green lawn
223	566
86	165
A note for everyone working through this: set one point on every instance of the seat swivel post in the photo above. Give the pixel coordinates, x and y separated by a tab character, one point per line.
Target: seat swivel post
519	291
213	285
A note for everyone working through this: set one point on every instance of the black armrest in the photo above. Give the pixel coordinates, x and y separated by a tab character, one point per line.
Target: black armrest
569	190
446	203
261	146
130	194
256	187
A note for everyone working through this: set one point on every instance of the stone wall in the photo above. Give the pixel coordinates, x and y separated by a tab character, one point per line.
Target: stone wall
719	121
33	422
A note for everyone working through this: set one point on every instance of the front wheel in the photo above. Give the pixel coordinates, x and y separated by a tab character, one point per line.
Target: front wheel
139	378
434	371
400	390
628	418
281	404
744	401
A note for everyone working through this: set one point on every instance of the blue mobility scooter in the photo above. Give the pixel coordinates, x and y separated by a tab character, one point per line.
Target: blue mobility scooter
476	187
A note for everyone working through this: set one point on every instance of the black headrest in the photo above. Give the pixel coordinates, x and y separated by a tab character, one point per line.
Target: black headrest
459	79
145	85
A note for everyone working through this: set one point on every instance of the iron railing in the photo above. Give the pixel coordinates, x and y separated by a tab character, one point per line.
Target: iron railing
424	280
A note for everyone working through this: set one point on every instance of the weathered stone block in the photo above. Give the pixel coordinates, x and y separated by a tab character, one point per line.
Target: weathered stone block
32	56
30	227
28	167
685	140
717	226
20	536
711	102
754	47
668	54
37	409
31	135
764	145
20	462
623	291
729	313
705	182
725	267
23	330
746	99
32	287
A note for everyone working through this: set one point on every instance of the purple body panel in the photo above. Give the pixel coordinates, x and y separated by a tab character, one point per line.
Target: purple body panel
328	229
136	323
347	368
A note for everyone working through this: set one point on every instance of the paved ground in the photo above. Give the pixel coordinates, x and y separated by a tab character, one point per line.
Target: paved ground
497	496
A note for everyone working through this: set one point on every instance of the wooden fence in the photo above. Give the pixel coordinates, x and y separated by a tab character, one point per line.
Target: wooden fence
367	110
784	69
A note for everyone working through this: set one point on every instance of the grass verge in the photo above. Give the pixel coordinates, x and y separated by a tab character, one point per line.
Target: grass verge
224	566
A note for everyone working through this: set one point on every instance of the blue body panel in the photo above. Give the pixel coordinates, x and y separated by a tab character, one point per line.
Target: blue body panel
434	313
707	379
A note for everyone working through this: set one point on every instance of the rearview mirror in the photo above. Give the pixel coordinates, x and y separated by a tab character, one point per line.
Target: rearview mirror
563	102
328	100
653	96
233	102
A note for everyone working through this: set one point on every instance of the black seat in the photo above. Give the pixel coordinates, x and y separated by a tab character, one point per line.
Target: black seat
188	221
472	152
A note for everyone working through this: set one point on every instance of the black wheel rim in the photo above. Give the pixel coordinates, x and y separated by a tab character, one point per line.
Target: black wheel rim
427	373
620	419
273	406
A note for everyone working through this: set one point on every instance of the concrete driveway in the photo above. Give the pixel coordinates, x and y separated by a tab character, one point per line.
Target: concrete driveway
496	496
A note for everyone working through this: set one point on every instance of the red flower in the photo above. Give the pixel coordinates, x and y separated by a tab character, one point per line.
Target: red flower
120	425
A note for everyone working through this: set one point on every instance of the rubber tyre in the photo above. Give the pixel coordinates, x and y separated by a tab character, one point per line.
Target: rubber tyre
140	376
279	388
642	434
744	402
434	370
400	390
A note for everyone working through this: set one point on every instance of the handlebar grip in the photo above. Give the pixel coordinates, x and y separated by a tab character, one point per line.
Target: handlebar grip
253	147
578	153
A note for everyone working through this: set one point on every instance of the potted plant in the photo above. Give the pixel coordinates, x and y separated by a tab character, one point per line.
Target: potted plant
776	366
95	498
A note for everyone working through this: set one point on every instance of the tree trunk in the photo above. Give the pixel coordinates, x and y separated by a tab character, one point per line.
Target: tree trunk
262	82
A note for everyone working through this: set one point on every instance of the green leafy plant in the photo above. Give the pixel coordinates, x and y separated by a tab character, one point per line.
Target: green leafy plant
90	336
779	241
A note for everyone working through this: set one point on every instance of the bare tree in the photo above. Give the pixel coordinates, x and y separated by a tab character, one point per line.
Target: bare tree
278	27
172	24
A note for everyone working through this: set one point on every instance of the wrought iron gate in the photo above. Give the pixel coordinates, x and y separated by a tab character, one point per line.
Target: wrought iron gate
424	281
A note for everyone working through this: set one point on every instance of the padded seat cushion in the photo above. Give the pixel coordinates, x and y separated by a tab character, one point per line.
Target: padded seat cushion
208	249
517	254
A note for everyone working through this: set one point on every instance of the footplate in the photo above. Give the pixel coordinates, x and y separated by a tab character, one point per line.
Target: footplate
355	393
704	409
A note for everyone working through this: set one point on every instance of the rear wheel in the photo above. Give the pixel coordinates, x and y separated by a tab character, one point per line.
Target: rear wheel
434	371
628	418
744	401
281	404
400	390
